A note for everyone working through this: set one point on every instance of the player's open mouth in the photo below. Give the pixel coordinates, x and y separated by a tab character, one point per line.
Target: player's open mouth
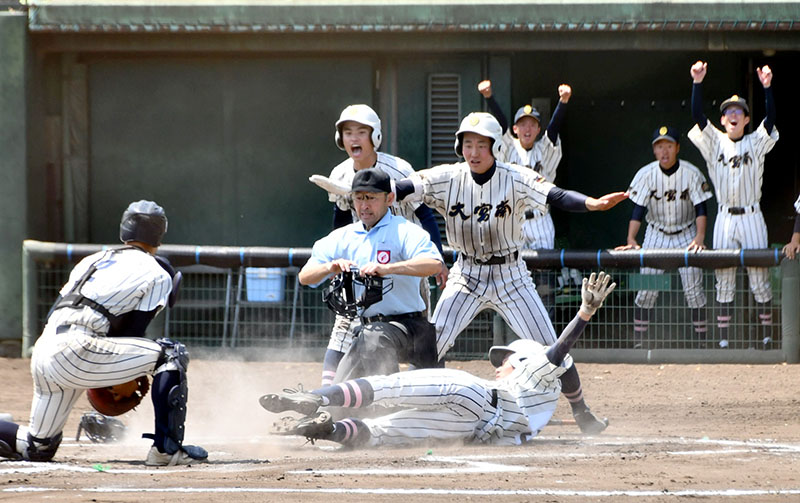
356	149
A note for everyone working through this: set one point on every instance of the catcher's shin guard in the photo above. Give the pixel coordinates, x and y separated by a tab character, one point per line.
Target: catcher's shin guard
170	395
41	449
174	356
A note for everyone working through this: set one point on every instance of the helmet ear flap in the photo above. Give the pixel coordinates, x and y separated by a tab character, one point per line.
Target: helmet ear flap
338	139
376	137
496	147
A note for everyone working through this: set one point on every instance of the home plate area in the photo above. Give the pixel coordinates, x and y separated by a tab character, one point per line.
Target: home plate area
565	467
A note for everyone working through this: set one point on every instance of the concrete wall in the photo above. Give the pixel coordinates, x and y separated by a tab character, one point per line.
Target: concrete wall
13	174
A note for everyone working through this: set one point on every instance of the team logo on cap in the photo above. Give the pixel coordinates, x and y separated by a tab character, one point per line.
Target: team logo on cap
474	120
735	97
384	256
663	130
527	109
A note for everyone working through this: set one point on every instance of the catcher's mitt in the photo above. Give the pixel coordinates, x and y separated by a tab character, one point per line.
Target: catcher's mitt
100	428
119	399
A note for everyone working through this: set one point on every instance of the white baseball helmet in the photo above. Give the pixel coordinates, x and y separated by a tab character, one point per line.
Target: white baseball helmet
362	114
497	354
483	124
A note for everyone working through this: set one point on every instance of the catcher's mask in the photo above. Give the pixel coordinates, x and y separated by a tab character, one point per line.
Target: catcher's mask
341	298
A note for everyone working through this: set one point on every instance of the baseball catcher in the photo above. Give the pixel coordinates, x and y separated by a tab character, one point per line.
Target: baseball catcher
94	340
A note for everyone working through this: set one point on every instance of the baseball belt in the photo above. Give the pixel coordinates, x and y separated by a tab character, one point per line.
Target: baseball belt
494	259
739	210
675	233
386	318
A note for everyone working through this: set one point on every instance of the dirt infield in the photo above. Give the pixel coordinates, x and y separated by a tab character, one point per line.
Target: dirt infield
678	432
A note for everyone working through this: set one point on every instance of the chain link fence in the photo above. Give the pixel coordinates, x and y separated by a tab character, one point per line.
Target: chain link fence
248	308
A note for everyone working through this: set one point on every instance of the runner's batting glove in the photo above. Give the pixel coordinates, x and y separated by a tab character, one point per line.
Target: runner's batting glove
594	291
325	183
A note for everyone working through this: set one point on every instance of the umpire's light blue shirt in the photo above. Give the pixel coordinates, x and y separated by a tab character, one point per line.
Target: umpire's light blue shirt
392	239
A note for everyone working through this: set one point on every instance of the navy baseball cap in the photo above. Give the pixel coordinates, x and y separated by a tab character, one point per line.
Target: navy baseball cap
527	111
735	100
666	133
371	180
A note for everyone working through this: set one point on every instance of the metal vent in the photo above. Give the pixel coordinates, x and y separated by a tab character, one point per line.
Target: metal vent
444	115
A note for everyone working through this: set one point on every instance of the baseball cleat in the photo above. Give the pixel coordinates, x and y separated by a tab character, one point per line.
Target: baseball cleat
316	427
297	400
186	455
589	423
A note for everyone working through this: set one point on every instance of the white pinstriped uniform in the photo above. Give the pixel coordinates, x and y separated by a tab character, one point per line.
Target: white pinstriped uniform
736	169
484	221
670	202
397	169
68	361
449	404
543	158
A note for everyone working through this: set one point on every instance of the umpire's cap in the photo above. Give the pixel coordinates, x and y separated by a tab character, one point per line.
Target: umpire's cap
143	221
666	133
497	354
735	100
371	180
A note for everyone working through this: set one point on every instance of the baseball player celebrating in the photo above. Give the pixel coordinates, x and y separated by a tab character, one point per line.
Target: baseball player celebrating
521	146
672	193
358	132
793	248
484	203
736	167
94	338
449	404
381	244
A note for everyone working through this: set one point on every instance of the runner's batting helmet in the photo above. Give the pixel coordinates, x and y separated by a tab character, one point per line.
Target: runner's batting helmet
483	124
361	114
143	221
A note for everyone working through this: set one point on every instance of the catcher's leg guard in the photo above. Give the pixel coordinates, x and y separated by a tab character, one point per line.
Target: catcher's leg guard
174	356
41	449
170	394
8	440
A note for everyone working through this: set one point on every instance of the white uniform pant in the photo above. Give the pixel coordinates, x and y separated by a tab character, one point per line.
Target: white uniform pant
540	233
445	404
65	364
741	231
691	277
507	289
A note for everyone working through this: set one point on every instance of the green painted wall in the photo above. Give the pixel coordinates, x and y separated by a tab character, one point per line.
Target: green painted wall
226	145
13	202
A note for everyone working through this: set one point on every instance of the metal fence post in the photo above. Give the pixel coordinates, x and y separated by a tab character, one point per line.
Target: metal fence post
790	309
30	286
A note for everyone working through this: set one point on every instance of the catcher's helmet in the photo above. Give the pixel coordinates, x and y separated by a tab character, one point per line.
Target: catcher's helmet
362	114
143	221
483	124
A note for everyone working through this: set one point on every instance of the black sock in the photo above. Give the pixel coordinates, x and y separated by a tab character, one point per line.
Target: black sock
354	393
350	431
329	366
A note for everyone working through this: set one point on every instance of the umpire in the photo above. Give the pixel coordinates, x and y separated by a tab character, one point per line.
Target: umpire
396	328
